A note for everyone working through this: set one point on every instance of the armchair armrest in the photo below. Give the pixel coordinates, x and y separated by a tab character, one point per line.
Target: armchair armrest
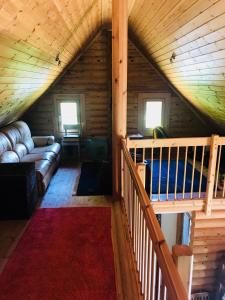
40	141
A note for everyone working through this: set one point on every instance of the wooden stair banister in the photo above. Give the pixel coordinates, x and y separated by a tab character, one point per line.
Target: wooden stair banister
148	241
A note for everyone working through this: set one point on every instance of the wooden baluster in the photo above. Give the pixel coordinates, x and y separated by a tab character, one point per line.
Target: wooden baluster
140	243
131	197
137	228
223	193
153	275
193	172
160	170
138	235
128	194
151	172
201	172
143	155
125	181
185	170
168	174
217	171
143	255
135	221
165	293
144	259
130	200
177	161
149	273
135	155
211	174
122	175
142	247
159	284
137	232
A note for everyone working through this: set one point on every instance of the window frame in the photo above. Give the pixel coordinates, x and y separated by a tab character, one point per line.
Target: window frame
69	98
148	97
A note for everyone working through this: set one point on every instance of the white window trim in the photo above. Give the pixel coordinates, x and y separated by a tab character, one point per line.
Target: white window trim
70	98
142	99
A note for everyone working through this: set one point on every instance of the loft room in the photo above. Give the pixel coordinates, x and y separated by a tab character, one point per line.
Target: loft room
112	149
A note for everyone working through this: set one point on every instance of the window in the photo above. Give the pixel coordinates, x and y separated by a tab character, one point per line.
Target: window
153	114
153	111
69	113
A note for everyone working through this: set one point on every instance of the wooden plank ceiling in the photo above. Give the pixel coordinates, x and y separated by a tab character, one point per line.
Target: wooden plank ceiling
33	33
186	39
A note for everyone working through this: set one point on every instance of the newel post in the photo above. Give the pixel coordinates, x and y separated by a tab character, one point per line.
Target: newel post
183	258
211	174
119	86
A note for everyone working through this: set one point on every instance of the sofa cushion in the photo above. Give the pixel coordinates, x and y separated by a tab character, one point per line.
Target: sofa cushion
31	157
5	144
9	157
25	134
12	134
20	150
55	148
42	167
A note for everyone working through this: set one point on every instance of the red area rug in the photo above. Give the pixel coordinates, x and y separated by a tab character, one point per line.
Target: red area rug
64	254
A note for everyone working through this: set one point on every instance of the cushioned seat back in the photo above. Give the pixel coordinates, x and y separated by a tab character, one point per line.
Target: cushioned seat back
6	153
25	133
5	144
9	157
15	138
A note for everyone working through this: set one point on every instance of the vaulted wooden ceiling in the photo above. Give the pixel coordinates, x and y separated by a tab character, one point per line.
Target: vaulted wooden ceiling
185	38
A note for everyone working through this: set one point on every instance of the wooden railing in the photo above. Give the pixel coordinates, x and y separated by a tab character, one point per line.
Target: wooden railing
182	169
157	272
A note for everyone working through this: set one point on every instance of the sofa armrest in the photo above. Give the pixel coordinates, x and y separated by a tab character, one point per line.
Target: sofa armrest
26	169
19	190
40	141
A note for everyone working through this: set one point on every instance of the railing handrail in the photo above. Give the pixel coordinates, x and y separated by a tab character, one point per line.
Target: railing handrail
170	274
169	142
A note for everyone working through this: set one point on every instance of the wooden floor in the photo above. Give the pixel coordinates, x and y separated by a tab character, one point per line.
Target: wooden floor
61	193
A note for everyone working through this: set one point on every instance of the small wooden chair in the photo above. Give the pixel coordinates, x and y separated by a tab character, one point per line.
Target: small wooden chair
72	130
72	136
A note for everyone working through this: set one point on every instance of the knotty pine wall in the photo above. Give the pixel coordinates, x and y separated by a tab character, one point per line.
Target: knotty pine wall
91	76
208	243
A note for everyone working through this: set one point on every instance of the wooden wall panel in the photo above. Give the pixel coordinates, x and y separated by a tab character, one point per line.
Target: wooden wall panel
193	32
208	242
91	76
142	78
